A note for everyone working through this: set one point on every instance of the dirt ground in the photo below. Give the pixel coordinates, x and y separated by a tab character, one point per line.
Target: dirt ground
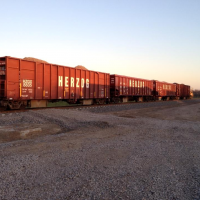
144	153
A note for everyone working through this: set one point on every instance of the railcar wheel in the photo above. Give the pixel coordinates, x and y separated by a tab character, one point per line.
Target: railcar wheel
101	101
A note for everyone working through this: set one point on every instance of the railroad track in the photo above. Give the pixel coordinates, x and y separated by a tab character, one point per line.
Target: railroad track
64	107
85	106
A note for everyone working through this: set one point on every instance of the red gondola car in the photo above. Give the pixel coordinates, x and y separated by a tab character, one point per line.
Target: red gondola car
164	90
182	91
124	88
34	84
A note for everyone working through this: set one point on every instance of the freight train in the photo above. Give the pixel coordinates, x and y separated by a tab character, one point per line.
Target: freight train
35	84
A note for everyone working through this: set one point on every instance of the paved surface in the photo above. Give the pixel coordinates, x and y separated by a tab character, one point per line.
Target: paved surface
139	151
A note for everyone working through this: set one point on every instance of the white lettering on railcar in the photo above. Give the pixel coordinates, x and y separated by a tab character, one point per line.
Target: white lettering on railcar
82	82
72	81
87	83
77	82
30	90
60	81
66	81
27	83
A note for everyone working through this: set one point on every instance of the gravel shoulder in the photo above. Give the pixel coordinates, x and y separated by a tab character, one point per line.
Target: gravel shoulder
138	151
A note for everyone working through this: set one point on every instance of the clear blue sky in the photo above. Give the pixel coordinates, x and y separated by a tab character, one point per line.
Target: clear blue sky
152	39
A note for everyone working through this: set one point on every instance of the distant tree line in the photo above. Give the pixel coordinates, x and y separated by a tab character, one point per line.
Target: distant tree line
196	93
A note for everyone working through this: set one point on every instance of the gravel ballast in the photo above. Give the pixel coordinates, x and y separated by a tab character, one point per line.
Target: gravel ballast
131	151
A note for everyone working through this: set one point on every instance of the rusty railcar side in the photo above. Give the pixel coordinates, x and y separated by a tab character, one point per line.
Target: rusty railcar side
178	88
124	88
188	92
182	91
2	78
34	84
164	90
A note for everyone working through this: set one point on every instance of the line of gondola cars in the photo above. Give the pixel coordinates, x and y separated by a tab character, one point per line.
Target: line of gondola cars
35	84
